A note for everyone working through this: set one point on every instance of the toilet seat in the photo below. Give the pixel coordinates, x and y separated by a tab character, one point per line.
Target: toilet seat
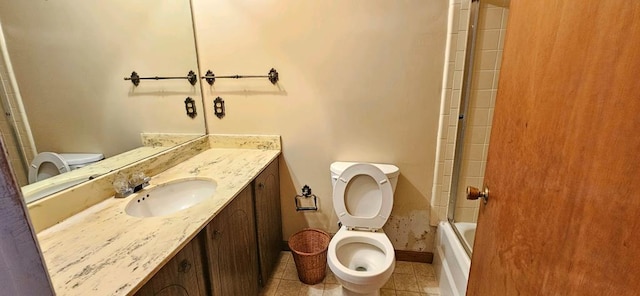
369	211
48	164
39	166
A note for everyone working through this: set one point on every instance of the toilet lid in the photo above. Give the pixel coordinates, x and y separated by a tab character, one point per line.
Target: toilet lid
44	160
363	197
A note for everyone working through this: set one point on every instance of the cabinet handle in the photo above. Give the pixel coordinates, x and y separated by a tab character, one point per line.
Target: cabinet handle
185	266
260	185
216	234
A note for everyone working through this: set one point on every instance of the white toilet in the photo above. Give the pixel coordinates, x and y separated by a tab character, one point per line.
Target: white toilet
48	164
360	255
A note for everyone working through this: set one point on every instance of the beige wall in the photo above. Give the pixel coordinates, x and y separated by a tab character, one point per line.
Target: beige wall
70	59
360	81
492	22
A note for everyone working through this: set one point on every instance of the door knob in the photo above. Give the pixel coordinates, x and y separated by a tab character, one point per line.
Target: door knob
474	193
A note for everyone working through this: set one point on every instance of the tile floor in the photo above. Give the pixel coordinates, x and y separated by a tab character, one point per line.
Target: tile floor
408	279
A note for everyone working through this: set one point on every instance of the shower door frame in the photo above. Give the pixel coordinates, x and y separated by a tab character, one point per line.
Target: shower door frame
463	111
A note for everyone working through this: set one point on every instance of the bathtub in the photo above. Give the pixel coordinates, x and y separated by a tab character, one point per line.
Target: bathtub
451	262
468	232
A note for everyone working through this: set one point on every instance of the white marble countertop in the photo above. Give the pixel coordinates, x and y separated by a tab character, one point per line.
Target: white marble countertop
103	251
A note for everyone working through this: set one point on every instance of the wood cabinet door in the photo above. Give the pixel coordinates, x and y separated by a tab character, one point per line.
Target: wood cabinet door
564	157
181	276
232	249
268	219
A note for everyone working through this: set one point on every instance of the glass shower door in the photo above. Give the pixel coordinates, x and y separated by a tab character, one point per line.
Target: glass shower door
480	71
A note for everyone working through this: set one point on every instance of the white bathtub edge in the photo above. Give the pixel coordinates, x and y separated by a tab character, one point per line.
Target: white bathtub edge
451	262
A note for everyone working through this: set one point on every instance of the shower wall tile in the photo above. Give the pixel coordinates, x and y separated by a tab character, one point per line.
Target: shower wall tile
463	22
459	57
453	46
453	120
476	134
451	136
447	103
483	99
448	167
483	80
480	117
457	79
475	152
489	40
449	76
455	103
446	183
450	151
490	17
487	60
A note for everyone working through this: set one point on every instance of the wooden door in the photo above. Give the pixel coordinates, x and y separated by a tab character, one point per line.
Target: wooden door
232	248
563	169
268	219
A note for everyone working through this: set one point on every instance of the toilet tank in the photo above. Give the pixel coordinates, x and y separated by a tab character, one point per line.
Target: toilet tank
390	170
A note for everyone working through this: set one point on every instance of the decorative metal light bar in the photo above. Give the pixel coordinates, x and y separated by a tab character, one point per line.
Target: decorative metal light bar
272	76
135	78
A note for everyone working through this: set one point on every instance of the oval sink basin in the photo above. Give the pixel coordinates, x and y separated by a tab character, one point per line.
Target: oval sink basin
169	198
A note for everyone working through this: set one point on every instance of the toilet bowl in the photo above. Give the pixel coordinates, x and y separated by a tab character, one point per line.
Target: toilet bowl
360	254
48	164
361	261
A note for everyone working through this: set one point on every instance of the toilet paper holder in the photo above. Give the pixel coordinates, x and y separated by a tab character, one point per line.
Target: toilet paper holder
306	194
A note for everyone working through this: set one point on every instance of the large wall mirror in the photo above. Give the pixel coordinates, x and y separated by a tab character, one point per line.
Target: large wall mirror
63	87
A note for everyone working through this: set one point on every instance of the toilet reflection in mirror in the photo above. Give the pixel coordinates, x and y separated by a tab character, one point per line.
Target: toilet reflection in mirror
48	164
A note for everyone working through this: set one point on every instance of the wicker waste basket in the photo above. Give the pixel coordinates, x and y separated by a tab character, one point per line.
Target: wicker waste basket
309	249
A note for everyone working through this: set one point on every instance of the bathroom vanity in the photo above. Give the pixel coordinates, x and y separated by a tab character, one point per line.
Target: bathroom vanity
223	245
226	251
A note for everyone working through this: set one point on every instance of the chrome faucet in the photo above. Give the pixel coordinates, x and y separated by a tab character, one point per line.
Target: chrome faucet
125	186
